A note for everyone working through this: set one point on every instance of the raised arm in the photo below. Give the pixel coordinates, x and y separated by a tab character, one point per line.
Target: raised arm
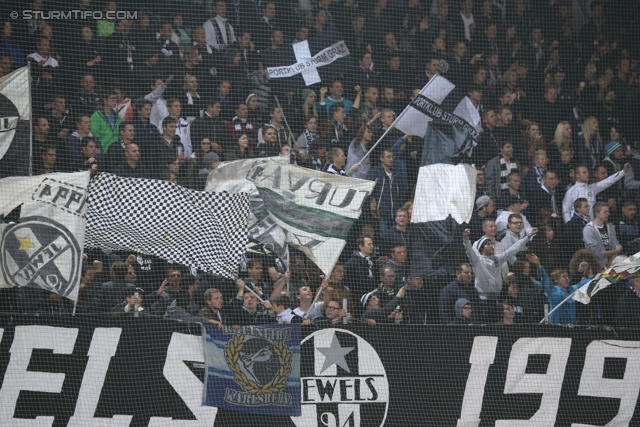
280	284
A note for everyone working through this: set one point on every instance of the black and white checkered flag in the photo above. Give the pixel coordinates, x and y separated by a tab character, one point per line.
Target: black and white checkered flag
207	231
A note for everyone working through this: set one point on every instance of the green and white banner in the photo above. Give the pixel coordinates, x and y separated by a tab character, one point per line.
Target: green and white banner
315	209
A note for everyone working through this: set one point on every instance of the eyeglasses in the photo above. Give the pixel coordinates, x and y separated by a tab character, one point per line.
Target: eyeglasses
332	308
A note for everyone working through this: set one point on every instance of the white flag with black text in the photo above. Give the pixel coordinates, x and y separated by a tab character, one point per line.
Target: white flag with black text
447	120
44	248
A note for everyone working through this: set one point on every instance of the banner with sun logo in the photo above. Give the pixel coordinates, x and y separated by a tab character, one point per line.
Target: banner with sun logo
253	369
43	248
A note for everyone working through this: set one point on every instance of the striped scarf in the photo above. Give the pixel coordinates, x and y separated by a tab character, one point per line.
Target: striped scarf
309	137
506	169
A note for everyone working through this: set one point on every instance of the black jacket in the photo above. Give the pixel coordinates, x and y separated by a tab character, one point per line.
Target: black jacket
146	134
357	278
628	313
242	317
208	127
110	295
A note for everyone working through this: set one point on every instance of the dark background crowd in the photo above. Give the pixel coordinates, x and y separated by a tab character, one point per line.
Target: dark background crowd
167	90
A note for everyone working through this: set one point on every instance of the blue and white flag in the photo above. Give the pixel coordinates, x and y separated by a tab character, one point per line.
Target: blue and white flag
255	369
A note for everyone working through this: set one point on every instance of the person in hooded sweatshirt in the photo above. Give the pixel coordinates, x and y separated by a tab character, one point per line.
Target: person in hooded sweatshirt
463	311
487	266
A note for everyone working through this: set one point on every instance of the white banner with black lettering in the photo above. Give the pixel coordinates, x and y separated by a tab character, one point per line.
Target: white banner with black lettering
307	64
315	209
44	249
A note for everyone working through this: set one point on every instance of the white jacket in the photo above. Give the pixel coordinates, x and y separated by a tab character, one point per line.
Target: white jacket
587	191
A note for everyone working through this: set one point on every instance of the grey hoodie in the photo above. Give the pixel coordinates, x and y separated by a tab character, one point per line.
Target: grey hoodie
593	241
488	269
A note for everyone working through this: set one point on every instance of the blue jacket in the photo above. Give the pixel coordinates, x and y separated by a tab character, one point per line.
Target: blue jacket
566	314
390	194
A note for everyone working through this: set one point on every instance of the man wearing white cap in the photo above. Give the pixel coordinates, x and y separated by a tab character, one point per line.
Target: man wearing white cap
487	265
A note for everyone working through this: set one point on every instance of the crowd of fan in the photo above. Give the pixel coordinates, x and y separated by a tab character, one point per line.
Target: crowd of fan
170	95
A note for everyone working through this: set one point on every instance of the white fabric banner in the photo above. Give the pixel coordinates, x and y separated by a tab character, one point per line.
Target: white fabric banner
307	64
15	105
434	200
44	250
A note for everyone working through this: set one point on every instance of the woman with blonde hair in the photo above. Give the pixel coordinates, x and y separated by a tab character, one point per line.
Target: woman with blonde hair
591	149
308	108
561	141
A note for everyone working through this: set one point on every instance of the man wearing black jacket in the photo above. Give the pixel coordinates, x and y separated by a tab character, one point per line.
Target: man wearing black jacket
145	132
112	293
211	126
359	269
245	309
391	313
572	230
461	287
547	196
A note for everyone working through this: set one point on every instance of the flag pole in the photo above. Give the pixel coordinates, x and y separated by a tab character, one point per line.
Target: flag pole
31	123
393	125
396	120
306	315
293	140
558	306
256	295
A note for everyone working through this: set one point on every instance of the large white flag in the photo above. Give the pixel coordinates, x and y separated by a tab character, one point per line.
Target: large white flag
44	249
450	125
315	209
434	199
15	105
